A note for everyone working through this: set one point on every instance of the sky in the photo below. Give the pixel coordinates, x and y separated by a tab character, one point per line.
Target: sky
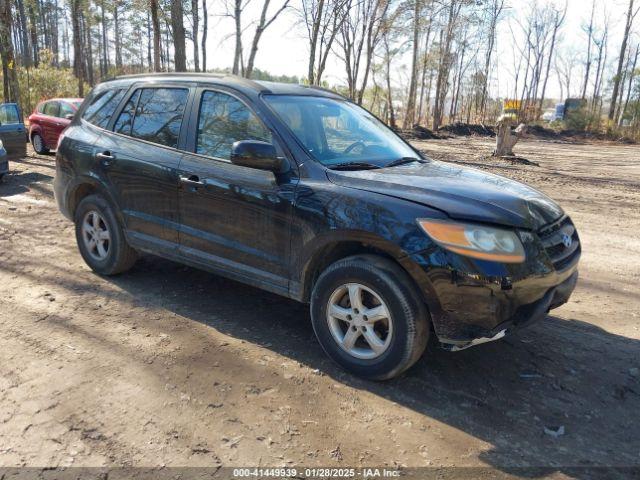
283	48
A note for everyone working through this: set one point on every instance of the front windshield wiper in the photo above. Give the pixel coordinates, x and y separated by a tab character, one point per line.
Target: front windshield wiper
354	166
402	161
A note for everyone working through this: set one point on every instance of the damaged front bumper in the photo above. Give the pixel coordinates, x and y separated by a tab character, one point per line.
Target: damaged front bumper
525	315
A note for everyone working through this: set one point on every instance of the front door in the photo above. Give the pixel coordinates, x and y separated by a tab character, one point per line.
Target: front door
12	131
139	161
233	218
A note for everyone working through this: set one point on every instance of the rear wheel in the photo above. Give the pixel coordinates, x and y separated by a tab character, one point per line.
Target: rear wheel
100	238
368	317
38	144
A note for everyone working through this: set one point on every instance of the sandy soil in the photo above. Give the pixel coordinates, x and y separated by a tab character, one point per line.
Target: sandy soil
168	365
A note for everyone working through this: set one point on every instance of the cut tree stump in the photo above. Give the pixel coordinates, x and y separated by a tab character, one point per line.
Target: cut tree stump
507	139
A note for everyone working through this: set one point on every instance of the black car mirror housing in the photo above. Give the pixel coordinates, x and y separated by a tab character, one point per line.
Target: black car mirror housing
259	155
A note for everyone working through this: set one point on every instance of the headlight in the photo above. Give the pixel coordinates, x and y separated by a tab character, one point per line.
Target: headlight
476	241
1	145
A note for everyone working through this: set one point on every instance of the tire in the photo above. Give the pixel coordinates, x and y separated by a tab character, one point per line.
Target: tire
38	144
115	256
401	338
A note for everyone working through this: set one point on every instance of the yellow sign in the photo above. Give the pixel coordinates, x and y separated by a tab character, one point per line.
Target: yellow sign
512	104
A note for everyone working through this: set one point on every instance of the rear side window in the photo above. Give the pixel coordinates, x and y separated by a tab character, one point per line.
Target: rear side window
224	120
154	115
125	120
51	109
66	109
102	106
9	115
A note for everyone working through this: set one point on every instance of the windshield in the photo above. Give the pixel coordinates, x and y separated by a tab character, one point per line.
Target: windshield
337	132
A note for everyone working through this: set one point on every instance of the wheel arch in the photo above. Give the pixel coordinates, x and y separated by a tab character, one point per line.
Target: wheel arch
337	249
33	129
89	186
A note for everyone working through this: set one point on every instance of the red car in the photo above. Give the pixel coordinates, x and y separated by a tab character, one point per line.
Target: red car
48	120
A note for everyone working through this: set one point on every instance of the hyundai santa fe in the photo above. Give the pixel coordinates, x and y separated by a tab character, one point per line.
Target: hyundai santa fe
298	191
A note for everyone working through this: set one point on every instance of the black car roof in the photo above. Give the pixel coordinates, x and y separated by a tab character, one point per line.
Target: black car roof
232	81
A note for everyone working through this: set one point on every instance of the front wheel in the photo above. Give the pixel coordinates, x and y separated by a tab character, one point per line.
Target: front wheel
100	238
368	317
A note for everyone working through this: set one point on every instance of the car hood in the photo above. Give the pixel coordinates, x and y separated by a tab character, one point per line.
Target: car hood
462	193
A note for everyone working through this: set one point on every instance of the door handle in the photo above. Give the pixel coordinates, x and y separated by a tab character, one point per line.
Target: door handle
191	180
106	158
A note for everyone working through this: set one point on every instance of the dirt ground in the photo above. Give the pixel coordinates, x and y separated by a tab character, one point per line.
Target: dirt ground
171	366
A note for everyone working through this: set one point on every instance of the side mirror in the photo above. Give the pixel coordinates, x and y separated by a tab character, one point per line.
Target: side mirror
257	154
69	116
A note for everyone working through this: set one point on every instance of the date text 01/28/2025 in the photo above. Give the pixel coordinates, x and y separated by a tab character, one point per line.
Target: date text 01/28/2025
287	472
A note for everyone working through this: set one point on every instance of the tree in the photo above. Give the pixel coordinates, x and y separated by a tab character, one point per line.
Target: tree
621	58
323	20
194	34
10	86
263	23
78	58
205	31
155	22
177	27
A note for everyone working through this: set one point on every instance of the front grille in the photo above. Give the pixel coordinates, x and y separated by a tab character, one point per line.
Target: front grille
552	237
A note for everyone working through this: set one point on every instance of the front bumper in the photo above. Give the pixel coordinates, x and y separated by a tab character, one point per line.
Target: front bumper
524	315
474	301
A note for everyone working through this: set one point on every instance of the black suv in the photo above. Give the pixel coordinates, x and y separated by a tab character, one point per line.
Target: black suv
300	192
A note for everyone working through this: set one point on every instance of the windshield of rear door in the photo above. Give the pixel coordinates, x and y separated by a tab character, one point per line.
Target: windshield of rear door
337	132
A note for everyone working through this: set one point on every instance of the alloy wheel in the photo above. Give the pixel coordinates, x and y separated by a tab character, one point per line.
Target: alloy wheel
359	321
96	235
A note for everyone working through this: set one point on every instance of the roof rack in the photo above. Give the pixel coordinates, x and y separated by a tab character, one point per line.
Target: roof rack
172	74
246	81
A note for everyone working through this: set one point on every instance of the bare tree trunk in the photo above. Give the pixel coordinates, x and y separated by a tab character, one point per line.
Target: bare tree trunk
632	72
559	20
623	48
11	89
177	27
155	22
24	34
205	31
149	43
262	25
117	44
33	32
196	53
313	43
587	68
409	116
105	41
237	55
78	63
497	5
89	49
392	118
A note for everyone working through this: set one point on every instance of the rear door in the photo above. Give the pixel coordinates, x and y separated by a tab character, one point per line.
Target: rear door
12	131
50	123
139	156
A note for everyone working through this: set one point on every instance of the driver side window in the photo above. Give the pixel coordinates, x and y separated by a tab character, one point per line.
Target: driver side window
223	120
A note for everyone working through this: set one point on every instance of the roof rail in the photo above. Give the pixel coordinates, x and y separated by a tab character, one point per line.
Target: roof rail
170	74
248	82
